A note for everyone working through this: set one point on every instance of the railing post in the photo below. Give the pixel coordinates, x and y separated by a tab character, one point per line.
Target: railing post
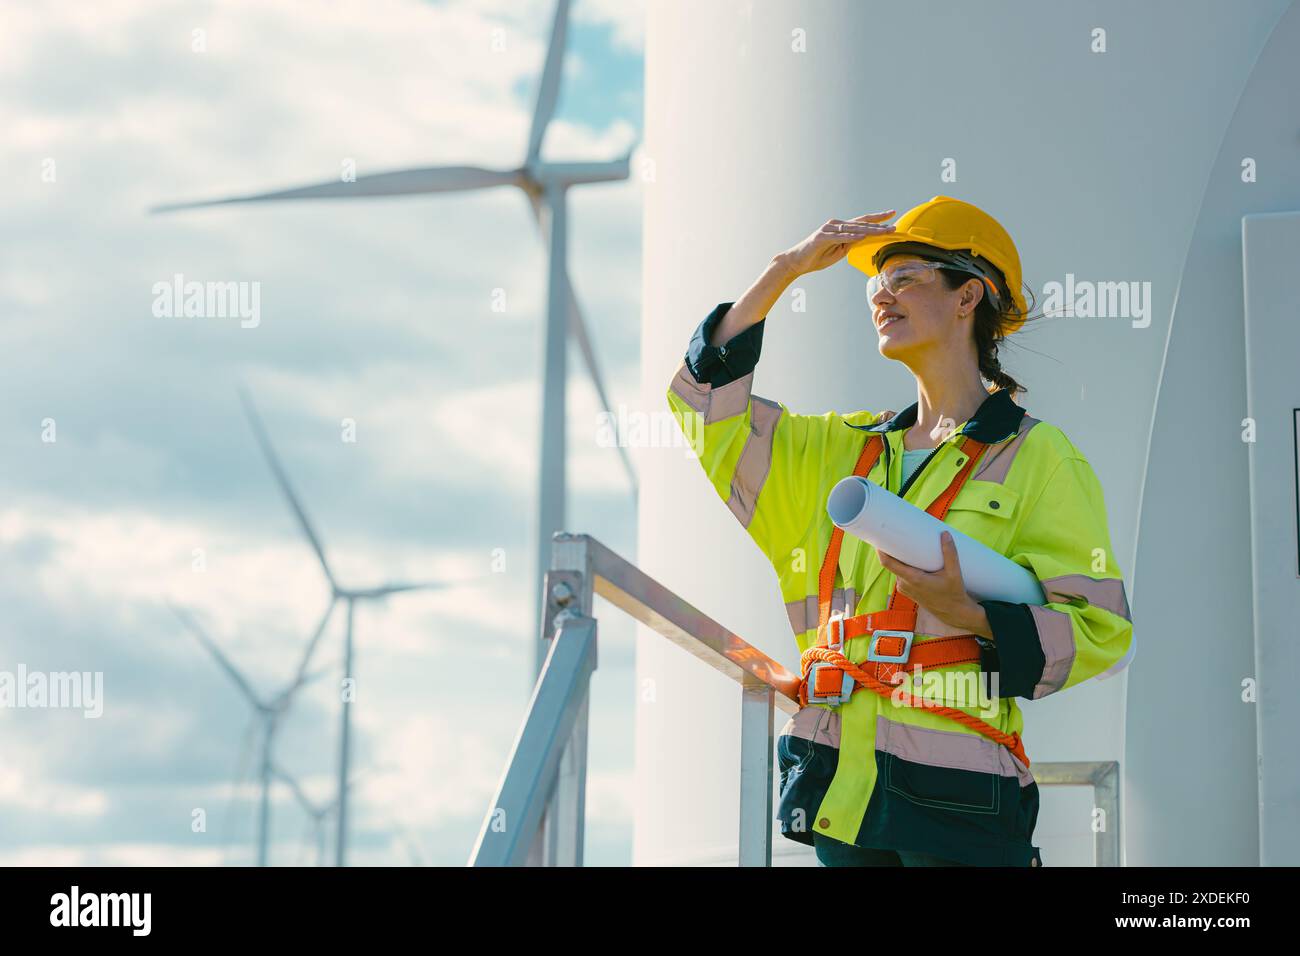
1106	794
566	815
537	849
756	711
509	832
569	589
1103	777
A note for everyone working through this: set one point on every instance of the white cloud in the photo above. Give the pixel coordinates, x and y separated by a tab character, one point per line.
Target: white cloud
485	434
117	854
22	790
434	767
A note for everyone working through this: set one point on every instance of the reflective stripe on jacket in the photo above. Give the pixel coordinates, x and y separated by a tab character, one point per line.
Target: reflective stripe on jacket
870	772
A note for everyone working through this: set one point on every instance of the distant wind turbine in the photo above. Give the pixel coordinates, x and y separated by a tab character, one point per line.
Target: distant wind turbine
338	593
545	184
269	710
318	814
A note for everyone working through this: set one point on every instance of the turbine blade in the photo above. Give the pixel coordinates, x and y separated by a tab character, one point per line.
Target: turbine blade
296	789
242	768
283	481
387	589
353	780
403	182
548	91
211	647
300	677
578	328
315	675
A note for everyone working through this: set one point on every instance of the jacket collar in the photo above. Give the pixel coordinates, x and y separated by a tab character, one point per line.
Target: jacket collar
997	419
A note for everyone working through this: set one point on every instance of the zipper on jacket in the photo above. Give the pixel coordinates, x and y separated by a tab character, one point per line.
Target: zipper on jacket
920	468
885	439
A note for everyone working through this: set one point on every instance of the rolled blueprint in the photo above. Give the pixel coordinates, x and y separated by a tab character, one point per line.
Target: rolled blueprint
887	522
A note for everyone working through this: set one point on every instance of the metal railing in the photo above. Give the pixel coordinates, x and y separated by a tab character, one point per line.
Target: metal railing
1103	777
536	816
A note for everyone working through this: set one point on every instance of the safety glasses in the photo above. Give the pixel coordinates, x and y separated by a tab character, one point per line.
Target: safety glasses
905	275
898	278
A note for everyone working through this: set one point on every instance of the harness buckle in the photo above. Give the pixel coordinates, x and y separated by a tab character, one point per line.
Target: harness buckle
835	645
846	687
836	692
873	651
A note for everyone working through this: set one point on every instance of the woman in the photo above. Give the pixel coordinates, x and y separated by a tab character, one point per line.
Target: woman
909	751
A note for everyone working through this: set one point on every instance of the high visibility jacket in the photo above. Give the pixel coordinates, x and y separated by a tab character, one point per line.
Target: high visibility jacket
869	771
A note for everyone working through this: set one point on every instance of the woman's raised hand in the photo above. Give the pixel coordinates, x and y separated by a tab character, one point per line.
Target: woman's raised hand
825	247
831	242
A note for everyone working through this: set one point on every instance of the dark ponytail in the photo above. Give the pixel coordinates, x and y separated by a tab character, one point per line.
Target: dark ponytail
991	327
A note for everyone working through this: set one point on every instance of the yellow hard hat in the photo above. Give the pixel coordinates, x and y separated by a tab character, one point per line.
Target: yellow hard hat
954	226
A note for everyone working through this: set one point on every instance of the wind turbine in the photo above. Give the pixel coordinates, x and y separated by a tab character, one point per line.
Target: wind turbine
269	710
317	813
545	184
350	596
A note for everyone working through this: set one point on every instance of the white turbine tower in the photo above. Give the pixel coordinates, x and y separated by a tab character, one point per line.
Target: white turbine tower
338	593
269	710
545	184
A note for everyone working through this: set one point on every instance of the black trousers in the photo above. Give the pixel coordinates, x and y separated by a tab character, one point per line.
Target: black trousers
834	853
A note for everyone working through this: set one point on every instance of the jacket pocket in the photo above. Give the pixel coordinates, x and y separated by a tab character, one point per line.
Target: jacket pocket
987	498
943	788
983	510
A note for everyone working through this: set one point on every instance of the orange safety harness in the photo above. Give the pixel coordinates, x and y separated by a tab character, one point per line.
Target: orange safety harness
830	677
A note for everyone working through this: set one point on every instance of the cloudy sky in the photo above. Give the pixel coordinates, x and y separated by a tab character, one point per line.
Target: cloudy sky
131	477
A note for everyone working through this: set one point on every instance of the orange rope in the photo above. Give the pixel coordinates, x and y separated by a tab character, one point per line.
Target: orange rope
866	680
